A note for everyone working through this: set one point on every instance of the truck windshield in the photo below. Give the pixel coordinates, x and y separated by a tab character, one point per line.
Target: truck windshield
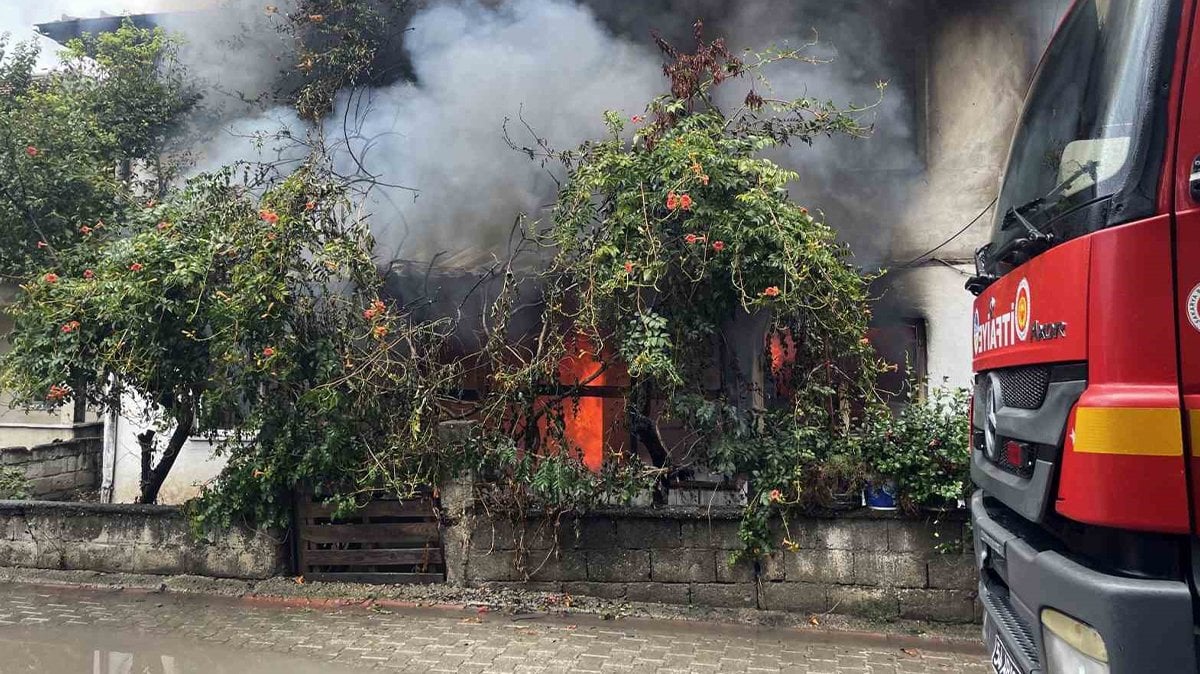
1088	147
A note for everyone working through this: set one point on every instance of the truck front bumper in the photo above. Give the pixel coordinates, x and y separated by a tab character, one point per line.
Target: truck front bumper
1147	625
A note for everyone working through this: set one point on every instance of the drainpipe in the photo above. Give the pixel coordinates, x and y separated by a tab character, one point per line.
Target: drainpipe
108	470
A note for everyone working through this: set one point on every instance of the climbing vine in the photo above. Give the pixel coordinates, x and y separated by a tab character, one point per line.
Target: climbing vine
340	45
681	255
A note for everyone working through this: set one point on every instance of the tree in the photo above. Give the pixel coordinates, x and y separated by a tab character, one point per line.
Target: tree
245	305
70	142
69	139
341	45
211	307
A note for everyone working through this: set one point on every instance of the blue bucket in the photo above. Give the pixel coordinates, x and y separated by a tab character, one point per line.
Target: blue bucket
881	495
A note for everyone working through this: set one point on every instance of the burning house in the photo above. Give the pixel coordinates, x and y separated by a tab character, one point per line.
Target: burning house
912	199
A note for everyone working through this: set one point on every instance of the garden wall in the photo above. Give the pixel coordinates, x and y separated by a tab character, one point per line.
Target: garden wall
59	469
864	564
128	538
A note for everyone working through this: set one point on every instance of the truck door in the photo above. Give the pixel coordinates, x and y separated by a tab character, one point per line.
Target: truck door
1184	172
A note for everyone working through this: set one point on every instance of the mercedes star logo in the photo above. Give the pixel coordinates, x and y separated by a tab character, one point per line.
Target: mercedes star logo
993	401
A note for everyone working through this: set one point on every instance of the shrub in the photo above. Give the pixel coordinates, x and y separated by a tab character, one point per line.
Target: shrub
13	484
924	447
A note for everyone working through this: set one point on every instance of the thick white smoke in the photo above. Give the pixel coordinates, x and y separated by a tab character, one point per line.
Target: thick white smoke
234	48
560	63
557	63
549	62
442	138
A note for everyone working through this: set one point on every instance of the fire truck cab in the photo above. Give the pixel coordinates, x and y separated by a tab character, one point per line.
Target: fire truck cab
1086	341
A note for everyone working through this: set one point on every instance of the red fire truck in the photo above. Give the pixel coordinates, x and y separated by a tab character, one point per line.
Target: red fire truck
1086	338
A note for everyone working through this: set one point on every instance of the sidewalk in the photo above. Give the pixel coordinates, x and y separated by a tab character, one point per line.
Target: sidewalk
476	634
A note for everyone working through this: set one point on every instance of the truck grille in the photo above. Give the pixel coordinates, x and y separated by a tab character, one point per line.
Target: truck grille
1024	387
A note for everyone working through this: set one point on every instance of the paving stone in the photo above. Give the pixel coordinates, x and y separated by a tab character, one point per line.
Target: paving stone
636	534
601	590
716	534
498	565
939	605
772	566
500	534
918	535
799	597
555	565
849	535
554	587
739	572
953	572
593	533
878	603
352	638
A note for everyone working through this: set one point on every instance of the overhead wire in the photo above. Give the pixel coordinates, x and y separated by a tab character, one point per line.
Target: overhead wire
931	251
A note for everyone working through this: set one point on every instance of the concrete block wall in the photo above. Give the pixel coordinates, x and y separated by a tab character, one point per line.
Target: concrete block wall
129	538
59	469
863	564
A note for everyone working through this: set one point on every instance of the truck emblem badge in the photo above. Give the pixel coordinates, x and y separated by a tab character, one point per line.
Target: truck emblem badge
1047	331
1023	310
1193	307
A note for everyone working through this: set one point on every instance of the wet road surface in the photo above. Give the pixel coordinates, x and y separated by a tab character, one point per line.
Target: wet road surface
71	631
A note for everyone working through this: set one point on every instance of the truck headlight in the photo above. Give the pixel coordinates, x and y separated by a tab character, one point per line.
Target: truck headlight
1071	646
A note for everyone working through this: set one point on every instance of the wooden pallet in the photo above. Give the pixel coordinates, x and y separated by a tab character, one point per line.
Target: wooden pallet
386	541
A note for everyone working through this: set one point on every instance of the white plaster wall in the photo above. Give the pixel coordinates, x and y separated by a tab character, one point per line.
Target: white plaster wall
195	466
982	55
935	294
